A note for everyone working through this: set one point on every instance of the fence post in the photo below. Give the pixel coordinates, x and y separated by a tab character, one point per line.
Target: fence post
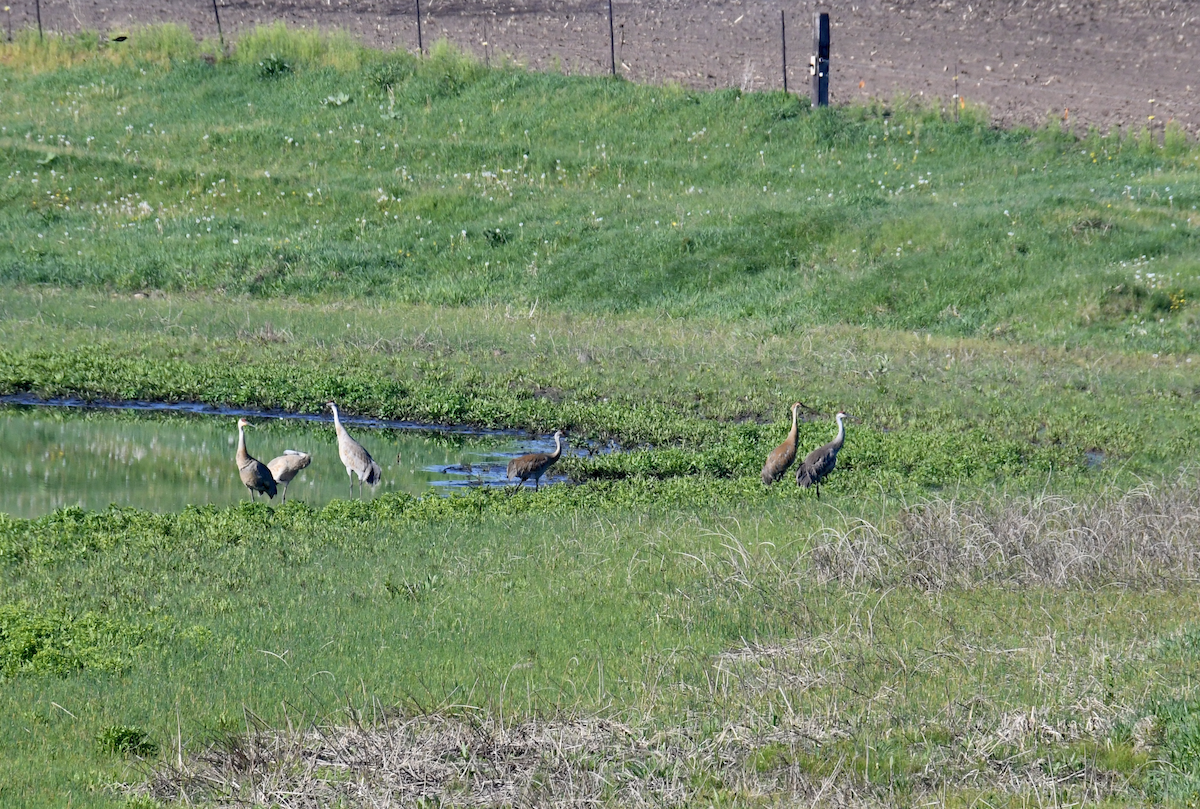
783	46
612	47
220	33
38	5
819	66
957	100
420	41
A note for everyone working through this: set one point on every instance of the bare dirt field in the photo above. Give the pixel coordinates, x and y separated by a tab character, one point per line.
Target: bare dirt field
1103	62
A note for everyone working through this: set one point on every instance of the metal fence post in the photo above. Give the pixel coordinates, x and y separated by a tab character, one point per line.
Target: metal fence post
612	46
420	41
220	33
783	46
819	66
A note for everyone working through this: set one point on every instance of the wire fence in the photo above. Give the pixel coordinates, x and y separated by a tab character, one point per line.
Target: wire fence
878	50
695	44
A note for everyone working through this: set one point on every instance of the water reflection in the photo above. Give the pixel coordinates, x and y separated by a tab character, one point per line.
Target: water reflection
50	458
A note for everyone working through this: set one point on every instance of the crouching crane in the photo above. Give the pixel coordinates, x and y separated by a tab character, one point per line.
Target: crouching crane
817	465
535	464
783	455
287	466
354	457
254	473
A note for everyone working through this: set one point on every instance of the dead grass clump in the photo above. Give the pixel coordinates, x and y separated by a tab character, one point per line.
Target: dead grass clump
1149	536
430	759
267	333
437	760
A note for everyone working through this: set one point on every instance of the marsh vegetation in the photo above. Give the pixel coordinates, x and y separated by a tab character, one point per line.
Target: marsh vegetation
994	599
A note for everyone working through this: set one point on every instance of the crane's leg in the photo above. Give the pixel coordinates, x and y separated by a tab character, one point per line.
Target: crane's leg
284	500
818	491
350	482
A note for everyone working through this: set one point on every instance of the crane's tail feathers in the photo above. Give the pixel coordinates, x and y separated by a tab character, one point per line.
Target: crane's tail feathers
293	452
804	479
374	475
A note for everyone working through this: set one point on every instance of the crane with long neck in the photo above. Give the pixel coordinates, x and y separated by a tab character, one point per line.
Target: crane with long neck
817	465
254	473
354	456
783	455
535	464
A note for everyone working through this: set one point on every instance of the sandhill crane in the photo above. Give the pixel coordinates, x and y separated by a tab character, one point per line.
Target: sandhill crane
287	466
535	464
783	455
356	459
820	462
254	473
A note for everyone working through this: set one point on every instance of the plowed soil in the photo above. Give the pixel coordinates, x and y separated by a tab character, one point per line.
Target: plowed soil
1092	62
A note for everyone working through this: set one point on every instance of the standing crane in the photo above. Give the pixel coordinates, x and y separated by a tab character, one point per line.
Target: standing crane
254	473
783	455
287	466
535	464
820	462
354	457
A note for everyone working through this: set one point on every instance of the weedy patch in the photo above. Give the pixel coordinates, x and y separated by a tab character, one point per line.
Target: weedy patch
126	741
1076	749
39	643
473	761
1149	536
272	67
440	760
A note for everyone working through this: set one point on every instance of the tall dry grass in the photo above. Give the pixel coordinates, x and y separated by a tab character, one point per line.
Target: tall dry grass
1145	537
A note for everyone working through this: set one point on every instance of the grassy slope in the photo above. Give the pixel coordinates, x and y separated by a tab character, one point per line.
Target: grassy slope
753	252
590	196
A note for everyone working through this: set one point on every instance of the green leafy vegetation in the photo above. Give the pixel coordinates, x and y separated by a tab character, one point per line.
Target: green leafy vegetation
36	643
993	602
126	741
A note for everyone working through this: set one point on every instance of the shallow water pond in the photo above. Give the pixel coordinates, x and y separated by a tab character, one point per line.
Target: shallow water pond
52	457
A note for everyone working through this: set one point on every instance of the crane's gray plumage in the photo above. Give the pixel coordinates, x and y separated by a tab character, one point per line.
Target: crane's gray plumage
783	455
820	462
354	457
535	464
287	466
254	473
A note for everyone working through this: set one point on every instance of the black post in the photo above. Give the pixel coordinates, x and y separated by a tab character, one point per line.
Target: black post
612	47
220	33
783	45
819	67
8	13
420	41
38	5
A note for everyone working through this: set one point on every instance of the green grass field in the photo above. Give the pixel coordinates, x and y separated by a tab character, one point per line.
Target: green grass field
993	603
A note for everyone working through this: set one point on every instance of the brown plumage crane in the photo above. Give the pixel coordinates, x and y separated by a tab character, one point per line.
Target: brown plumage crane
820	462
535	464
783	455
287	466
254	473
354	457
